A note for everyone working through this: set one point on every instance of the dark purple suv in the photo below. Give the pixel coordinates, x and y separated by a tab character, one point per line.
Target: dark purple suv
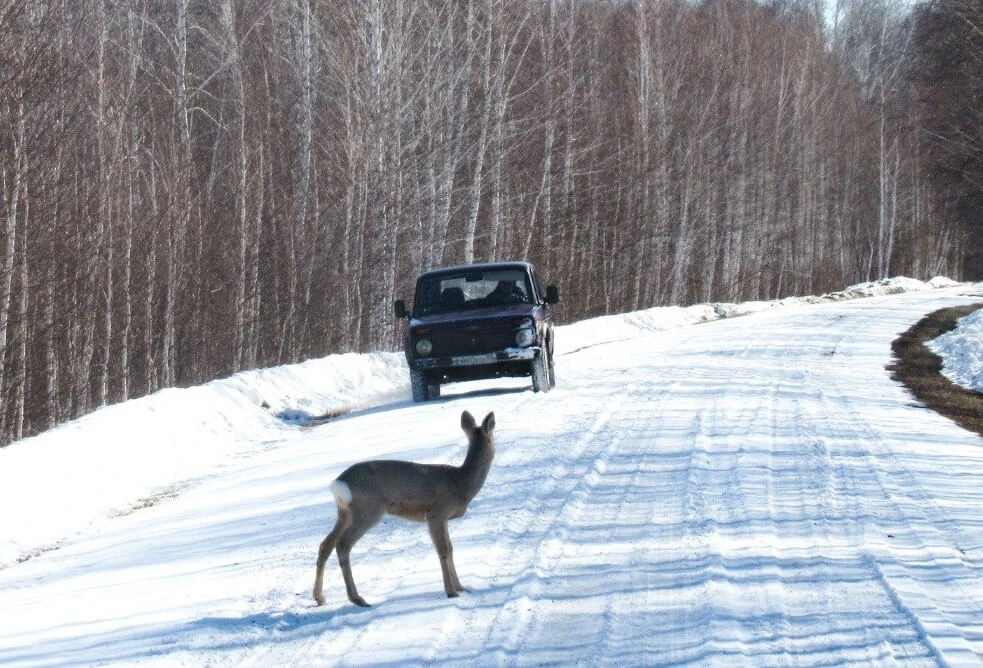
479	321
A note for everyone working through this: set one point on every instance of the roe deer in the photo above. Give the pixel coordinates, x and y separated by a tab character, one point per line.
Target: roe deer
431	493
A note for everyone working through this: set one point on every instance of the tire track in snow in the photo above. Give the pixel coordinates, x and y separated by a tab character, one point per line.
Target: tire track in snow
537	531
583	536
549	539
769	444
906	521
825	505
837	478
874	509
728	466
808	500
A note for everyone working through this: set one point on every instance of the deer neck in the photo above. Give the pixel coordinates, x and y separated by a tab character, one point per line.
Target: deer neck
475	468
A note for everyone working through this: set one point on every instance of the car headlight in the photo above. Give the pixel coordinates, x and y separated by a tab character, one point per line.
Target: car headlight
424	347
525	336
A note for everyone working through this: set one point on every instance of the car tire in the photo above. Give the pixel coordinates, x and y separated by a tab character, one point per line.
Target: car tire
423	390
418	385
540	373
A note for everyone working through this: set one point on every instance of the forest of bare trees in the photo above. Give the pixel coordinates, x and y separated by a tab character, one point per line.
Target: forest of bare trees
193	187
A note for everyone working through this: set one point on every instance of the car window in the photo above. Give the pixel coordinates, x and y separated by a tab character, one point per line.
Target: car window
472	289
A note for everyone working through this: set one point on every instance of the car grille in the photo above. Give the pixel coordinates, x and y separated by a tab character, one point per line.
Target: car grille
471	339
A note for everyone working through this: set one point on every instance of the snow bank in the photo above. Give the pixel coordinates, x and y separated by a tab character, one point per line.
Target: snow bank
145	445
331	385
961	351
610	328
891	286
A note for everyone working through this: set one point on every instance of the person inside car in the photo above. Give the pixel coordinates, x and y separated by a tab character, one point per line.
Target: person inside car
506	292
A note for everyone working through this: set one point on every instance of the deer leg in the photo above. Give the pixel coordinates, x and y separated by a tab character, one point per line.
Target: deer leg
346	541
457	583
445	552
344	520
451	568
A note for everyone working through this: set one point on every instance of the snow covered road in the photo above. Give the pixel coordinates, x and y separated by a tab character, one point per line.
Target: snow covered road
753	490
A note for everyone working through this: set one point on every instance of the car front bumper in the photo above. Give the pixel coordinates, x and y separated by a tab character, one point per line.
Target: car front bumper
478	359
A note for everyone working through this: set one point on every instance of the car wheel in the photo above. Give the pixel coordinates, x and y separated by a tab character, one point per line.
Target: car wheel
418	384
540	374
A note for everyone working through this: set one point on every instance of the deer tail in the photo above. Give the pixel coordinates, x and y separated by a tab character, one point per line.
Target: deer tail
342	493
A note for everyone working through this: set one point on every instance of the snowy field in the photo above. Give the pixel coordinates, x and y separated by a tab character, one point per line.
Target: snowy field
699	489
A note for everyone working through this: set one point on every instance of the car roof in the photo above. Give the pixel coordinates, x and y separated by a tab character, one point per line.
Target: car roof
480	266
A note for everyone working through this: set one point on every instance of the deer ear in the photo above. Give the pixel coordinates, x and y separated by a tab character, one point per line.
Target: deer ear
489	424
467	421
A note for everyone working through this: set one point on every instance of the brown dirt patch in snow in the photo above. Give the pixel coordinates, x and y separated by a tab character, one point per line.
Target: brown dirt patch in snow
920	370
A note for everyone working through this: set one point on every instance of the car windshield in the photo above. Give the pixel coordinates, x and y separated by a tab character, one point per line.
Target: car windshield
471	289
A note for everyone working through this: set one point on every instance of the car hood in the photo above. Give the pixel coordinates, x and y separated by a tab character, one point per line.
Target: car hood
475	314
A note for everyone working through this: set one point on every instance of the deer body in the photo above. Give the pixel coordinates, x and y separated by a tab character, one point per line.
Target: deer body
430	493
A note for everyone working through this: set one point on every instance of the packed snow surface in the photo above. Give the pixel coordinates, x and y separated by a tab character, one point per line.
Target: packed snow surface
699	489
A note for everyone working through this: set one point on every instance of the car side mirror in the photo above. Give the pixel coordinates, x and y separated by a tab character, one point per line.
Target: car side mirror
552	295
399	308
